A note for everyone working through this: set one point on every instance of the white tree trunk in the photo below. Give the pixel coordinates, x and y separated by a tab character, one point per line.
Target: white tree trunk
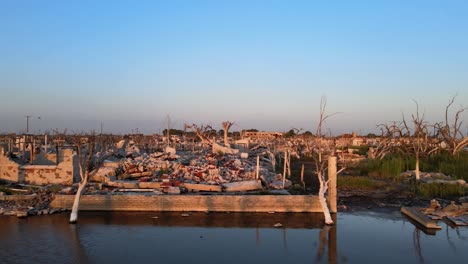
323	200
76	202
226	141
416	169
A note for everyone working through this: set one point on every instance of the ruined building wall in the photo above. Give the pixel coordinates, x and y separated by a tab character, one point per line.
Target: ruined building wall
64	173
9	170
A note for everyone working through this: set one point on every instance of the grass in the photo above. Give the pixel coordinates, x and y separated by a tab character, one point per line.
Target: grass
440	190
393	165
358	182
6	190
55	188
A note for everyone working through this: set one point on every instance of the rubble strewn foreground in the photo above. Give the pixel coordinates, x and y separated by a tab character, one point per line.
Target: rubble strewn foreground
127	170
189	171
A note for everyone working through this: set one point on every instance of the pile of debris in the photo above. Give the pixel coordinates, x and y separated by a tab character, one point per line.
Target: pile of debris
191	170
25	201
457	214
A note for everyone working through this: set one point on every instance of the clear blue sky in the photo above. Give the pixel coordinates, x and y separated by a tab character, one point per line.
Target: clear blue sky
261	64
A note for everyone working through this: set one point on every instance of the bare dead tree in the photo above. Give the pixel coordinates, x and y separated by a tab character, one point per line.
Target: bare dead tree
417	144
226	126
320	163
391	141
84	164
449	132
202	132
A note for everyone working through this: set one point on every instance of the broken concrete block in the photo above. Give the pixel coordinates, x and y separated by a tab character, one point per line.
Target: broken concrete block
242	186
149	185
173	190
202	187
170	150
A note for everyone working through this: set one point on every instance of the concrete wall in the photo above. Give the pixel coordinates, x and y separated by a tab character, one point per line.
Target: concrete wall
9	170
193	203
63	173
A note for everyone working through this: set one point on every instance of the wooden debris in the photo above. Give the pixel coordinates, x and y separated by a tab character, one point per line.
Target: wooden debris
459	221
419	217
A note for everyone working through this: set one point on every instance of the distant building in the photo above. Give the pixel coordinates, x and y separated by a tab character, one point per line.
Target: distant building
262	135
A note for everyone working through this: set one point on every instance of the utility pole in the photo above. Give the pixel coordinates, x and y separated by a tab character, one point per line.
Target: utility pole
168	130
27	123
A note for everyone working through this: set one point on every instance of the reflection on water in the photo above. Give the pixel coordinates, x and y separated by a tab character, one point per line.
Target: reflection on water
226	238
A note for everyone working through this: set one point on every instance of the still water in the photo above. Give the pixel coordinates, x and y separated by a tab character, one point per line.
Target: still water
359	237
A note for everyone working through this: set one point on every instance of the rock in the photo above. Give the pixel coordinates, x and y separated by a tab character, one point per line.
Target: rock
173	190
170	150
279	184
244	155
67	190
451	208
45	211
21	214
242	186
434	204
278	225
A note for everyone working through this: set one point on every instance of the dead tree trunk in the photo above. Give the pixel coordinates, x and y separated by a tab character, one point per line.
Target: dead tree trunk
226	126
84	165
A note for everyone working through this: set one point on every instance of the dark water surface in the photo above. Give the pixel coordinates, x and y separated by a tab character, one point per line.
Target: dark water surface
360	237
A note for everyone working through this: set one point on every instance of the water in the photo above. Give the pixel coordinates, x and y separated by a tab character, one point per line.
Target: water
361	237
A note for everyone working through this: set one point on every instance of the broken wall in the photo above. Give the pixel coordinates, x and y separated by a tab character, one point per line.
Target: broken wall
9	170
65	172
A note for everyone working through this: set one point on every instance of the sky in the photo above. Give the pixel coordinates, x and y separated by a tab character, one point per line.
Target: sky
261	64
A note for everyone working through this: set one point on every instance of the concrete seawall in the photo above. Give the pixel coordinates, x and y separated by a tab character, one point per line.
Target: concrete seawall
193	203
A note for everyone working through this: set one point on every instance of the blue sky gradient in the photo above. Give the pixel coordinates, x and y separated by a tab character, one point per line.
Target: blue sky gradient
261	64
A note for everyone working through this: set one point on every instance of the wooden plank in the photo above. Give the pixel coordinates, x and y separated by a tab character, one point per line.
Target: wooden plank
421	218
459	221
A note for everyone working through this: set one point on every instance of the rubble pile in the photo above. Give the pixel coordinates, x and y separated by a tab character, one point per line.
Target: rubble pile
28	203
457	214
174	170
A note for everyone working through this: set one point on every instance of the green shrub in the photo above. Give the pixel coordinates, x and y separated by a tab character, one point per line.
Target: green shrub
358	182
440	190
392	165
5	190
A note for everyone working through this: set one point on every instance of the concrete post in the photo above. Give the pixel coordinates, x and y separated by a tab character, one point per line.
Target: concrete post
284	170
258	167
332	184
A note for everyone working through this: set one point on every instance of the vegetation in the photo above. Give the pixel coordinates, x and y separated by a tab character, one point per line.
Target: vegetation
5	190
440	190
358	182
391	166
